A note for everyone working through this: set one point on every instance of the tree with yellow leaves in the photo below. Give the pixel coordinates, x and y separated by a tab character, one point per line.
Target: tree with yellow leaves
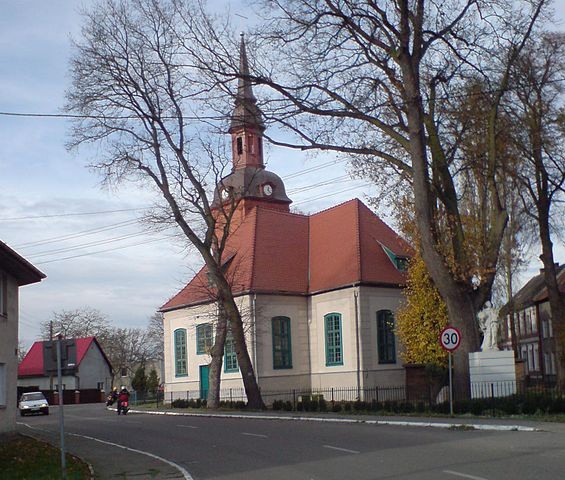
422	318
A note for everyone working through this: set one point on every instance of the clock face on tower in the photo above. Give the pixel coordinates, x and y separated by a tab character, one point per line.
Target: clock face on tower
267	189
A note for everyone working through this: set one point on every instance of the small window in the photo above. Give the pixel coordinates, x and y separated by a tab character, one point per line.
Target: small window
334	347
203	338
230	355
282	347
100	386
400	262
181	360
250	144
239	143
123	372
385	337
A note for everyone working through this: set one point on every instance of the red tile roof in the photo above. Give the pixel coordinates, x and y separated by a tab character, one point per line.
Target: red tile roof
287	253
32	364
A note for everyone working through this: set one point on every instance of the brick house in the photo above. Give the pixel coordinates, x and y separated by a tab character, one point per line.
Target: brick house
535	340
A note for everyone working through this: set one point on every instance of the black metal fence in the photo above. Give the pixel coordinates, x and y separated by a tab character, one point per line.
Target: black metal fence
487	398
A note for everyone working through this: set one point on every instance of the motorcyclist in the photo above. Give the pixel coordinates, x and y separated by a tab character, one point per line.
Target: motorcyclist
123	396
113	396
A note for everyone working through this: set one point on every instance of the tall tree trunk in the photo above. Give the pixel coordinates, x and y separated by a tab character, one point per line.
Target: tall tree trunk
556	300
254	399
460	305
217	354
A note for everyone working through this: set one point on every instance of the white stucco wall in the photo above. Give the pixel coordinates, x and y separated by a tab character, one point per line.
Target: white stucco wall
48	383
9	358
94	369
295	308
309	369
188	319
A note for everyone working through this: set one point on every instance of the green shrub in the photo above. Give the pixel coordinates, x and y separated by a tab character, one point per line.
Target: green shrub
179	403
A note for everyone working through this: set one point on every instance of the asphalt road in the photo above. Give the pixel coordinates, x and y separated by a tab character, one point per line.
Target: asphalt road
250	449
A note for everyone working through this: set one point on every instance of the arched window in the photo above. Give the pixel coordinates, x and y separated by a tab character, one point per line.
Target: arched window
230	355
181	359
334	345
385	337
282	346
204	339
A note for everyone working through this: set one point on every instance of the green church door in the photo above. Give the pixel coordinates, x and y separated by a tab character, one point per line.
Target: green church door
204	369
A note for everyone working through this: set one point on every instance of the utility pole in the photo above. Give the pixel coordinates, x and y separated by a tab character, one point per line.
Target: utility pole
61	417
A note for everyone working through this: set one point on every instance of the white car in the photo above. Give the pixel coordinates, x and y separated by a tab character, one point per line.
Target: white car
32	402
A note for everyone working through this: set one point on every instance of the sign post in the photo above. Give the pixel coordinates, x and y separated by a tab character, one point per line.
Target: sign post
450	339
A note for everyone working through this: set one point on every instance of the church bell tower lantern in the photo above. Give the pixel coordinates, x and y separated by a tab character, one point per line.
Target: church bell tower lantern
247	127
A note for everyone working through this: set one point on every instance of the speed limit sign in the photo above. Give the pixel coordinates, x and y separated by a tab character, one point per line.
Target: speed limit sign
450	338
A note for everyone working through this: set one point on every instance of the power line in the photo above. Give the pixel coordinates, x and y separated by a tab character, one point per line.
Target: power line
312	199
79	234
100	212
103	251
89	244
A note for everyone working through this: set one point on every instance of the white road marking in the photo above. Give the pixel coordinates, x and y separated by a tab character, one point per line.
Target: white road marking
464	475
341	449
254	435
187	426
184	472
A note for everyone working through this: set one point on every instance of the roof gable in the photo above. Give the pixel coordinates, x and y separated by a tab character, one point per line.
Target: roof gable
24	272
32	364
273	251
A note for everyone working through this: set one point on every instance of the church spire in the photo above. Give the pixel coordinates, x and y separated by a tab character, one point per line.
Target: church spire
247	125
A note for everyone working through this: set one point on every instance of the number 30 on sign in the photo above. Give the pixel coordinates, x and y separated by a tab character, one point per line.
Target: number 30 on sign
450	338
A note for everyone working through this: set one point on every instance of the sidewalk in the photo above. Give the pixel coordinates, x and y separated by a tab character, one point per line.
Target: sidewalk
109	461
456	422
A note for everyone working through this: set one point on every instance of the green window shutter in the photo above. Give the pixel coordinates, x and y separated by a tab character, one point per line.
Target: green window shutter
334	345
282	343
385	337
204	338
230	355
181	358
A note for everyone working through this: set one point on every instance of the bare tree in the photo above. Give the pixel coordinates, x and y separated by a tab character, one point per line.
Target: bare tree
126	348
78	323
136	93
537	107
377	80
155	339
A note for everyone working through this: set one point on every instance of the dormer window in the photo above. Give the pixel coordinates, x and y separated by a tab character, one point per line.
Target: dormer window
400	262
239	145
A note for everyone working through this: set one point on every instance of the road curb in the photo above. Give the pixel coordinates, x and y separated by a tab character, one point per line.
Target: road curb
400	423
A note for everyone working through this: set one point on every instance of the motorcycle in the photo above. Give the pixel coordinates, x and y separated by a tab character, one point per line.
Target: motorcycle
123	407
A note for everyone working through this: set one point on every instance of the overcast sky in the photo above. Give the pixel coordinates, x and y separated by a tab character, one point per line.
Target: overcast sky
52	209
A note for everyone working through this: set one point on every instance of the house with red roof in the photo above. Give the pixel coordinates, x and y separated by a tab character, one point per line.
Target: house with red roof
15	272
318	292
85	367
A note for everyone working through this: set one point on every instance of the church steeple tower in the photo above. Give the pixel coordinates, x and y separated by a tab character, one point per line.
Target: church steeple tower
247	125
249	180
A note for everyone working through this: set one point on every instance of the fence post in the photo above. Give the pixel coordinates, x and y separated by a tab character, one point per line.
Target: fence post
492	397
294	399
231	398
332	397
